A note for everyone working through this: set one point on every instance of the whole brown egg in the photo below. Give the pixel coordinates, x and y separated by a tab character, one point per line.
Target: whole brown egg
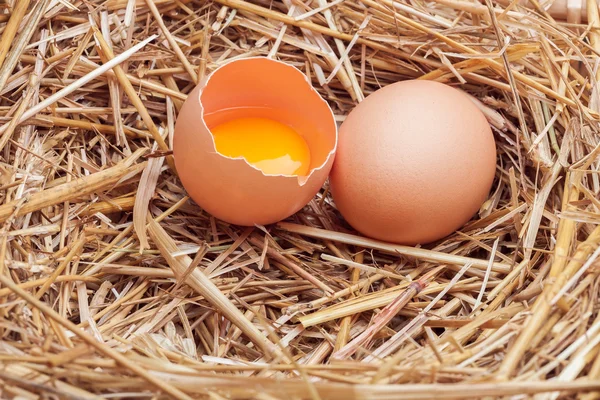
415	161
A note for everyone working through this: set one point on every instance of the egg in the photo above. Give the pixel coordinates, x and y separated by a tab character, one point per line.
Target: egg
254	142
415	161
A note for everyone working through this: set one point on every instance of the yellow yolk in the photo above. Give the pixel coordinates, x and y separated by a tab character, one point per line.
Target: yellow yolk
269	145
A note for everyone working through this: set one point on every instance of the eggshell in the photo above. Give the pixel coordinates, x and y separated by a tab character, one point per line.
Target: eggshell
230	188
415	161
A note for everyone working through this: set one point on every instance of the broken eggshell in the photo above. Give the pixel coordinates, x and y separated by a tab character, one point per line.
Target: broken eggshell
231	189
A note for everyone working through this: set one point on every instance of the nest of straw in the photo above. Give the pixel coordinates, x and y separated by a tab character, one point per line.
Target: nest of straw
114	284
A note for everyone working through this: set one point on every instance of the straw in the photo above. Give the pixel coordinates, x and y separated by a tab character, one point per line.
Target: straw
116	284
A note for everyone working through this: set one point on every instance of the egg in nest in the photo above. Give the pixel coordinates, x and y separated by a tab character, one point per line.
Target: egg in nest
254	142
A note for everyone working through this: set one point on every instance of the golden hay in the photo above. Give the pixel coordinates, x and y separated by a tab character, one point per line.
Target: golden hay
114	284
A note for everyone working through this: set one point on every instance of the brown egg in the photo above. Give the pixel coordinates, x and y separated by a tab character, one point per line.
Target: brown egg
277	140
415	161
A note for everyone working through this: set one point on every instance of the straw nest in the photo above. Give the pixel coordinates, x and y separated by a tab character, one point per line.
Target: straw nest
114	284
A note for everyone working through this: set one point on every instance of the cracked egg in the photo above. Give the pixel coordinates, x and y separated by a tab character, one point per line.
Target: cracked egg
254	142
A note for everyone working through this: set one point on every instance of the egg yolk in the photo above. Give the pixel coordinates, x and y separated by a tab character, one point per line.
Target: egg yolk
269	145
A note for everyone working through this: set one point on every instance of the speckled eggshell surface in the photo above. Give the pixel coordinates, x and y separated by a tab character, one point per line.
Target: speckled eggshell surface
415	161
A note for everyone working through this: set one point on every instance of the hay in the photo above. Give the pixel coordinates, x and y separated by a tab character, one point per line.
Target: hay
114	284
